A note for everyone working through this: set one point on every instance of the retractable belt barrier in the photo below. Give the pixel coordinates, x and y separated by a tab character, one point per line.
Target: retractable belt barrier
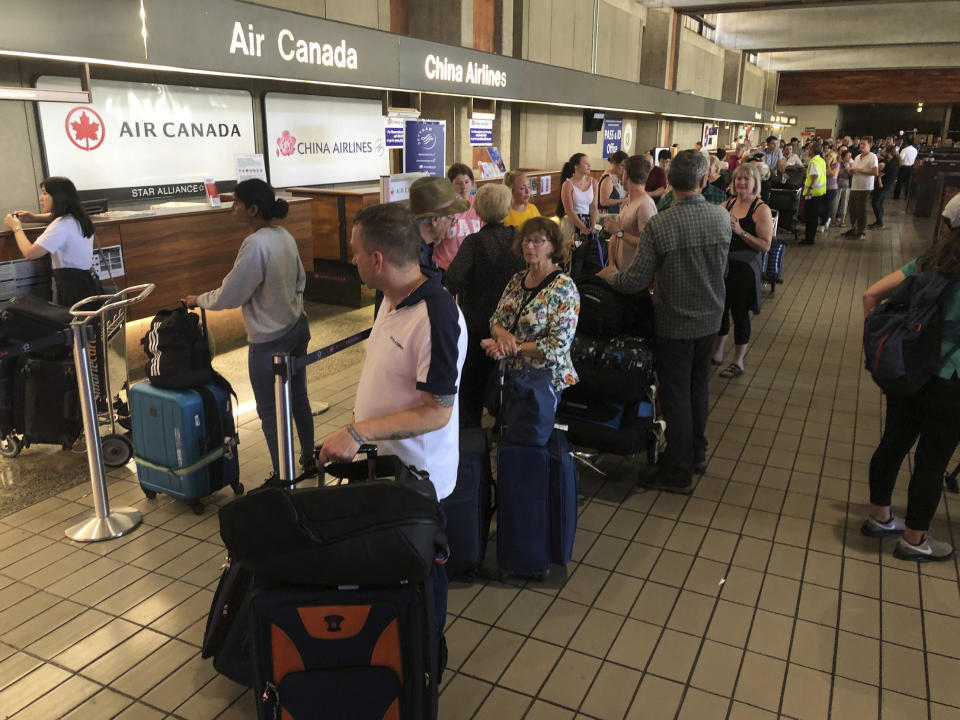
284	368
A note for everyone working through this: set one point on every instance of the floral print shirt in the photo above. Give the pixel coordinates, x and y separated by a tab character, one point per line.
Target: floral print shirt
549	319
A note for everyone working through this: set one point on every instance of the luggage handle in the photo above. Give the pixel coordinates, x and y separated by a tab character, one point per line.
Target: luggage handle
368	449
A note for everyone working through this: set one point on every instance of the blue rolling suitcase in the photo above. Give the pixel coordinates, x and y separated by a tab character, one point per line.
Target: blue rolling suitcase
536	506
184	440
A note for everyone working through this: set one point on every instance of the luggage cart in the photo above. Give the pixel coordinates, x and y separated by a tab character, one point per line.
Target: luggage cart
106	356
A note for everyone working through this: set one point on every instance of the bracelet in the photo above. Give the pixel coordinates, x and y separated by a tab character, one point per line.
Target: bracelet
19	229
354	434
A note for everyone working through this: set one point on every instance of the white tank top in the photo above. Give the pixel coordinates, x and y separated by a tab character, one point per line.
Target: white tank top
582	199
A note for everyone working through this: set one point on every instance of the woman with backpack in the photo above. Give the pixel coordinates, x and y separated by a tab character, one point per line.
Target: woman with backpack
931	415
267	282
68	239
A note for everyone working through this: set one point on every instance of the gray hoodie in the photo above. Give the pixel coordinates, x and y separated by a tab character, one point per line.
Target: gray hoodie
266	281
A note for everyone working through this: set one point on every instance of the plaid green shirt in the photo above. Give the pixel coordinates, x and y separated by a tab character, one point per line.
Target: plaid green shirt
684	249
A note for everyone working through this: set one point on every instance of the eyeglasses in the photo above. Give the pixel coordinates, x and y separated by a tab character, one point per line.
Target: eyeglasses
534	240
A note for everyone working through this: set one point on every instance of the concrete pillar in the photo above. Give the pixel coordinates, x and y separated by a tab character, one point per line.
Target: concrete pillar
441	20
732	76
655	49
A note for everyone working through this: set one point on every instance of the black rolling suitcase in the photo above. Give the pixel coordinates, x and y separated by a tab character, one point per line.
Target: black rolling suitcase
46	401
469	507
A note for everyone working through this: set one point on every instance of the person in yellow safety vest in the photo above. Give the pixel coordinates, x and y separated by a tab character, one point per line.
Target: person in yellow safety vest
814	190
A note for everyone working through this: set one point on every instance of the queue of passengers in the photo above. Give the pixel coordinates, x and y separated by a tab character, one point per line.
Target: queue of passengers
695	229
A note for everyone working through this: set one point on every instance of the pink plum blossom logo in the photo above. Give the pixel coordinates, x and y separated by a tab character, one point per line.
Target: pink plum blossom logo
286	144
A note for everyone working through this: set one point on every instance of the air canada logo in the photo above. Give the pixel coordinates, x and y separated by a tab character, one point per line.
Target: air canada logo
84	128
286	144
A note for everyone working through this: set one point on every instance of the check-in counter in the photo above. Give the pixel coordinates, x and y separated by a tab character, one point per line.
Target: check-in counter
948	186
183	248
926	178
546	202
334	278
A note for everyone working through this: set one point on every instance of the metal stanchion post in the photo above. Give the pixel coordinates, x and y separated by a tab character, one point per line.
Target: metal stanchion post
105	524
282	372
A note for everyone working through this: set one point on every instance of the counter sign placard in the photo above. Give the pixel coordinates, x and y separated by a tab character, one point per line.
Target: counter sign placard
138	141
313	140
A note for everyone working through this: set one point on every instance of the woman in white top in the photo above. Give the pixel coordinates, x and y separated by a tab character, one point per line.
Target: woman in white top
68	239
578	211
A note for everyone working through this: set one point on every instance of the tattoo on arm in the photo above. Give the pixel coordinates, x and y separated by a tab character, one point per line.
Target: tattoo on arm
444	400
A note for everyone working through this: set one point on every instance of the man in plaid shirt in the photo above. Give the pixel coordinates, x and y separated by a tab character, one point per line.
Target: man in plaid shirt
684	250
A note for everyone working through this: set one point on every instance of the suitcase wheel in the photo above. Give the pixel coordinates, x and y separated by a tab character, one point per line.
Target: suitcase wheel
117	450
151	494
197	508
237	488
10	446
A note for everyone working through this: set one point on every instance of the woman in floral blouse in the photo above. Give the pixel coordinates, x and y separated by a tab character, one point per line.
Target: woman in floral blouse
536	317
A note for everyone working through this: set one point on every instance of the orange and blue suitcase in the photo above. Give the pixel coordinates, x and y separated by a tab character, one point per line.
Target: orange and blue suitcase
346	653
184	441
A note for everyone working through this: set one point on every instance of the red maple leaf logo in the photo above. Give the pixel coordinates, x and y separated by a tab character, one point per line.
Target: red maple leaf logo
85	128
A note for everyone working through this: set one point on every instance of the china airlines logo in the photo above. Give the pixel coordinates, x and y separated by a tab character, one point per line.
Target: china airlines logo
286	144
84	128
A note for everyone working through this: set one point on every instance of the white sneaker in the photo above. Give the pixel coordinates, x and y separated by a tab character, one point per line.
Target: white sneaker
826	225
929	549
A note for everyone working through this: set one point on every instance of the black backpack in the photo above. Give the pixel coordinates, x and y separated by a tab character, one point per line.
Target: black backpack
178	349
903	336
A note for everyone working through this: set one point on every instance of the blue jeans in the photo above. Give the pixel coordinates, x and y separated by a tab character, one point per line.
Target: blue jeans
260	361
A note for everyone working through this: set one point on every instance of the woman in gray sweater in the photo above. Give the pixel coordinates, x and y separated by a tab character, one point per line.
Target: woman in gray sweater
267	282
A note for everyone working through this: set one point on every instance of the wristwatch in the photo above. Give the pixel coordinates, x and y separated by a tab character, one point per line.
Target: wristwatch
619	234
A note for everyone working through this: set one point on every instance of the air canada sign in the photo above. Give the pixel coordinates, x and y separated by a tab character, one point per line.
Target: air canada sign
143	140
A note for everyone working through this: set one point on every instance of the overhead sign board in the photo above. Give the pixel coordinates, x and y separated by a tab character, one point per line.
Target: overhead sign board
251	40
313	140
145	141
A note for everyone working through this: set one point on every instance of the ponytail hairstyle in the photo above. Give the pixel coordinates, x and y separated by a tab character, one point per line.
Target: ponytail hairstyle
569	167
67	202
256	192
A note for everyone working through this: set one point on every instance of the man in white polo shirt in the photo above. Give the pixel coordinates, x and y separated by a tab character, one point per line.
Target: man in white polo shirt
908	156
407	396
862	173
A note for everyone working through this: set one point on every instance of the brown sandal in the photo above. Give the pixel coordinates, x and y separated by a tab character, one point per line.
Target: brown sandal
731	371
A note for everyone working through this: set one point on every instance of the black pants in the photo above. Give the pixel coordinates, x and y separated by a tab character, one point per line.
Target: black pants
741	287
477	368
683	368
932	416
812	210
879	195
904	174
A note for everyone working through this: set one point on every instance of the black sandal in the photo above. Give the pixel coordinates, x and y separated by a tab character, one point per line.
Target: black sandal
731	371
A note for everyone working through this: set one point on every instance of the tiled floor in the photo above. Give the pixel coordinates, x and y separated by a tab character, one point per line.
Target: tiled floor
756	597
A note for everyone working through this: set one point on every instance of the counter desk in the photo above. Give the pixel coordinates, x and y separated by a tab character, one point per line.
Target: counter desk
183	248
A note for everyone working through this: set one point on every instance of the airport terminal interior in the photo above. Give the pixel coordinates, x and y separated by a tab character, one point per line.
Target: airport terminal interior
754	597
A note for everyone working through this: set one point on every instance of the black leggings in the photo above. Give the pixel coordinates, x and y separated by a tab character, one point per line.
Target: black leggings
741	287
932	416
